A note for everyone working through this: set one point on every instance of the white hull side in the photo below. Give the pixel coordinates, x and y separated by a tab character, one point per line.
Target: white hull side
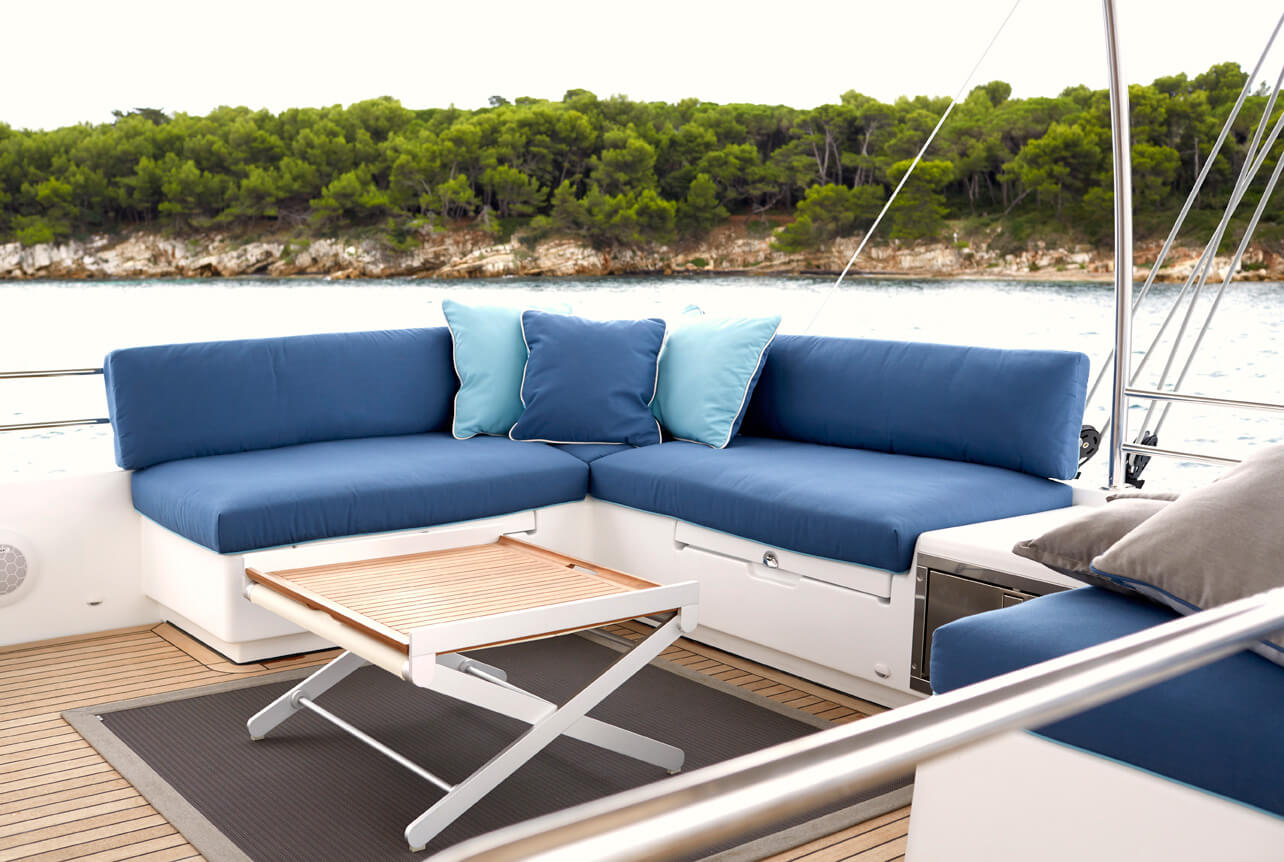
1019	797
80	534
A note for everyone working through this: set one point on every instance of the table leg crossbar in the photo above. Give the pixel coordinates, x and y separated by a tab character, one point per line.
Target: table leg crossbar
378	746
483	685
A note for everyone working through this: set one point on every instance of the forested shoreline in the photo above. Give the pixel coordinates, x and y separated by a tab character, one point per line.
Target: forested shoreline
614	174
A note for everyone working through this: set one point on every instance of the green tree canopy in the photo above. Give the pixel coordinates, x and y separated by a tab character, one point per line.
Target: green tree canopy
617	171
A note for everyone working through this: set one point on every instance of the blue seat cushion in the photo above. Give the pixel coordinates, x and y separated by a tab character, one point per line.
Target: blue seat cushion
846	504
269	497
1216	727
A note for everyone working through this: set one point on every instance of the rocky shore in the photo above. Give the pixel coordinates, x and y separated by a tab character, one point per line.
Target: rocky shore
464	253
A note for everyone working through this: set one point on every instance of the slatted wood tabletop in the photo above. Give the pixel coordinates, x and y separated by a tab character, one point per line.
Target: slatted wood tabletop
388	597
59	800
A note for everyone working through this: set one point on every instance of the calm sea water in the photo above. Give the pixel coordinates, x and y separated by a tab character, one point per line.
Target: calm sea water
73	324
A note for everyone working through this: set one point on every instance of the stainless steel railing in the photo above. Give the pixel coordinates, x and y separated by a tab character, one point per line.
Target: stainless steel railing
1189	398
1179	454
1255	157
720	803
56	423
60	372
1120	138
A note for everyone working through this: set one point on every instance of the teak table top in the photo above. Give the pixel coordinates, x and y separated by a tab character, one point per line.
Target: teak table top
388	597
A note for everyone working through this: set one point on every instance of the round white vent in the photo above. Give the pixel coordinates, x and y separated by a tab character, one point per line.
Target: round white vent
13	569
17	574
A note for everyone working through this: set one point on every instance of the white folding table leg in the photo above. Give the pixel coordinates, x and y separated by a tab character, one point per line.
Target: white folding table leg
668	757
466	793
265	720
531	708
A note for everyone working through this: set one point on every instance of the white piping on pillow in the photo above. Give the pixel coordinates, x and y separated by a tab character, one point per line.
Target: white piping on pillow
655	380
454	402
745	396
727	442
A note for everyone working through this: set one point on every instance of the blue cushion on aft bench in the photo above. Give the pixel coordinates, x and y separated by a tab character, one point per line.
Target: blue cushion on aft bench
1216	727
176	401
845	504
260	499
1019	409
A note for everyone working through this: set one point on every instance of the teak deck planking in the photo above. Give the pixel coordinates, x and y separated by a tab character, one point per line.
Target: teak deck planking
60	801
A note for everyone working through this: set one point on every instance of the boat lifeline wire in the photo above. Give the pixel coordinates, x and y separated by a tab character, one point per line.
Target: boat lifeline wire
1230	273
1254	158
1181	217
1199	273
939	123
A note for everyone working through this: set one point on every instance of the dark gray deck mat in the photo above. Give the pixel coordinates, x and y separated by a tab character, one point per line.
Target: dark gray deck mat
310	792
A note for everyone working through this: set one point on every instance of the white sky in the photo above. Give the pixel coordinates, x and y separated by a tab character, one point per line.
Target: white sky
68	62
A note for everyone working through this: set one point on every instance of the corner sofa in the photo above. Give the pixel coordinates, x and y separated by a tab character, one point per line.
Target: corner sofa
802	531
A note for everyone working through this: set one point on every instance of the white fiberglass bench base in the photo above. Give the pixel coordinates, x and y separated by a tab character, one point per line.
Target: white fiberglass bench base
843	625
200	590
1019	797
840	624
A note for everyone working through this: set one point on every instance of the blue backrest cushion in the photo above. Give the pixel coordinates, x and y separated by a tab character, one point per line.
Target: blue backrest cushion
1019	409
589	381
186	400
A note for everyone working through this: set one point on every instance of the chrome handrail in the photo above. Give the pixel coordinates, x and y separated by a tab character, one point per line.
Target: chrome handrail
1190	398
56	423
1180	454
758	791
1120	140
57	372
1255	157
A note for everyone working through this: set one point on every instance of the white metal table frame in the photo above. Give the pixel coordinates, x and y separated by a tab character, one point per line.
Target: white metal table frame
434	661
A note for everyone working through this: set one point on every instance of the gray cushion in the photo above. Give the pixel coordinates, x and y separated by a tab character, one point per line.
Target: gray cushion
1130	494
1071	547
1214	545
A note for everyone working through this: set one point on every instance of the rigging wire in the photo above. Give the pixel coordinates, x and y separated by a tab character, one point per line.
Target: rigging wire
1230	273
1198	278
1254	158
1181	218
939	123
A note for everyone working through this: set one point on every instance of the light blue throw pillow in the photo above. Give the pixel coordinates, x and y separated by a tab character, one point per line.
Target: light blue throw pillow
707	372
489	358
589	381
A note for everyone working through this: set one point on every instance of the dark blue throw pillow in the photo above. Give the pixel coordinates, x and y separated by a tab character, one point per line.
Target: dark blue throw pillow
589	381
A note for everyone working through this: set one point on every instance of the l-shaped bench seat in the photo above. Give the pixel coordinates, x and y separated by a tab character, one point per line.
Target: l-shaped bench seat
780	492
851	448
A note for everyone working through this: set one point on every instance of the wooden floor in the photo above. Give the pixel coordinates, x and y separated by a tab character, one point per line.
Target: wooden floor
59	800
